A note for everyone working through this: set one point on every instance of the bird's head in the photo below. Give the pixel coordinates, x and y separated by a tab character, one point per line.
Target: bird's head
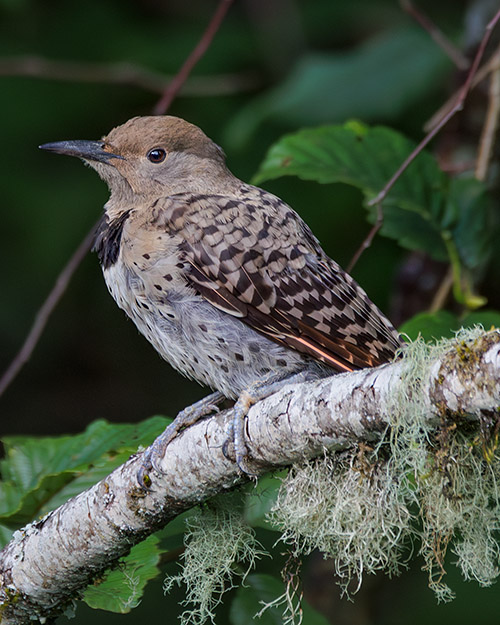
151	157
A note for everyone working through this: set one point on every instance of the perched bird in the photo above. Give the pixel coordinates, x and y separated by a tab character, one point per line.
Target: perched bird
223	278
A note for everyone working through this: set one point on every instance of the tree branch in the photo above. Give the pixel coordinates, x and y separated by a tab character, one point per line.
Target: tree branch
46	310
439	121
169	94
199	50
456	55
490	127
49	561
123	73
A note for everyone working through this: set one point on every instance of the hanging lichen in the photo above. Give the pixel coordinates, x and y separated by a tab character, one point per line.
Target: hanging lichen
428	485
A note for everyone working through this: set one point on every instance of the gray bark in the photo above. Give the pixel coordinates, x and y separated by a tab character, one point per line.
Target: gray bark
49	561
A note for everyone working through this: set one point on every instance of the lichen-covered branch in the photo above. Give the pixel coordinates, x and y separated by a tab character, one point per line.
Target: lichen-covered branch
48	562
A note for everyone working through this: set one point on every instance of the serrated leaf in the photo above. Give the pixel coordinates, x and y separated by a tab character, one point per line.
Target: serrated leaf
260	590
472	221
325	88
423	210
41	473
85	479
366	158
122	588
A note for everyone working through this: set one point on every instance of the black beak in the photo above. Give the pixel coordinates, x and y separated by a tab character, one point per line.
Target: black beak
88	150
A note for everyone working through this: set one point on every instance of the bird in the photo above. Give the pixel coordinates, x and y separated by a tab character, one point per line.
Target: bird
223	278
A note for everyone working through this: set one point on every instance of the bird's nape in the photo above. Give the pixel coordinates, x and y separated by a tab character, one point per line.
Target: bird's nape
223	278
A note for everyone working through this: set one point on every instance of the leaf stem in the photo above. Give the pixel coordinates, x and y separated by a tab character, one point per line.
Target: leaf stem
462	290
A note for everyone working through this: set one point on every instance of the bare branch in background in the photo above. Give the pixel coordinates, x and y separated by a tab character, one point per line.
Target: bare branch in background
67	273
206	39
461	61
448	113
490	127
490	66
368	239
458	106
46	310
124	74
442	292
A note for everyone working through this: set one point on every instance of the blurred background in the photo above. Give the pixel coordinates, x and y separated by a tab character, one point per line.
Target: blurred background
73	70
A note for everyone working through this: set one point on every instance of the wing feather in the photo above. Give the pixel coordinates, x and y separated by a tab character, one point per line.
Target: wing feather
269	270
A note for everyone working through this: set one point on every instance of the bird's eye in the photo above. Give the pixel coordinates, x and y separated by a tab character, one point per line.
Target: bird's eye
156	155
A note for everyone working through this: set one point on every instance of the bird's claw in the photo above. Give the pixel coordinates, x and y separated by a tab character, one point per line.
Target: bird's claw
152	457
143	478
213	408
239	454
151	461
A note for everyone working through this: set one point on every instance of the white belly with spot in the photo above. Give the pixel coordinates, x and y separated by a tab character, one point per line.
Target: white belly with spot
196	338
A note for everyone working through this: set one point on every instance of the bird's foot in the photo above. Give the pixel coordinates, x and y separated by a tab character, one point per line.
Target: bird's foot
259	390
153	455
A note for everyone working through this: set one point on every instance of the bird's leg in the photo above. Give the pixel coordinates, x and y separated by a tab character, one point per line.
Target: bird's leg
186	417
261	389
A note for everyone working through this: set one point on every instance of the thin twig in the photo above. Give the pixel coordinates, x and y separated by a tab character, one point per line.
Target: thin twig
206	39
123	74
490	66
458	106
442	292
490	126
368	239
461	61
67	273
45	311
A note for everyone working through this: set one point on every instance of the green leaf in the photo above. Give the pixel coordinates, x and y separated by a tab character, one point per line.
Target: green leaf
260	590
431	326
424	210
122	588
261	498
326	88
366	158
86	478
41	473
472	221
487	318
5	535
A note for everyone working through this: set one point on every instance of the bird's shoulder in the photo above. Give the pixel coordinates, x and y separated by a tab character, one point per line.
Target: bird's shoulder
249	254
245	218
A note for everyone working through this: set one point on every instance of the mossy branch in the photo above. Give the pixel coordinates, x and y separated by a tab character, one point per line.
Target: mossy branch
448	385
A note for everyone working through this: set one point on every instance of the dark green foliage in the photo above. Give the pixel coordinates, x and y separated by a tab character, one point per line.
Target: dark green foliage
432	326
363	86
310	66
264	590
40	474
425	210
122	588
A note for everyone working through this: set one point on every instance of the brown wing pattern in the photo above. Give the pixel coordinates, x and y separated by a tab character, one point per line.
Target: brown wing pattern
254	258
